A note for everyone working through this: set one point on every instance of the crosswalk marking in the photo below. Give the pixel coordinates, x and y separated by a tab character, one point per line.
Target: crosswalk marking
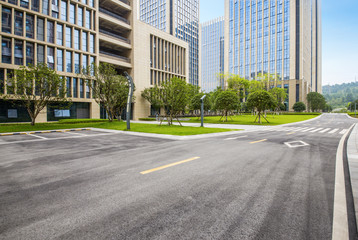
308	130
343	131
316	130
325	130
334	130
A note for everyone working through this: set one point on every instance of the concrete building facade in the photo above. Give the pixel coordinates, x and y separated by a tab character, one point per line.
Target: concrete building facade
212	54
278	37
68	35
180	19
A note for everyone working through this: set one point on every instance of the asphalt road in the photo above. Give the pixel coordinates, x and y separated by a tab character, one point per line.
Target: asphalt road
93	185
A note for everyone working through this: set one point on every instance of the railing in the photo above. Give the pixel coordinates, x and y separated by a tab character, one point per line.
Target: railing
125	59
126	2
105	11
126	40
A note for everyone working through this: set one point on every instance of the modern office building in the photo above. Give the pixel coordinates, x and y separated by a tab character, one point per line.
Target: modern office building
180	19
278	37
212	54
68	35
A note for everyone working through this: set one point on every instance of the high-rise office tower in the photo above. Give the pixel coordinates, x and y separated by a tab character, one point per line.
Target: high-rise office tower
68	35
179	18
278	37
212	54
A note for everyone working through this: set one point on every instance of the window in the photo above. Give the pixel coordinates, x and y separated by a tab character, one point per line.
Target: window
81	88
77	63
68	86
29	26
88	92
50	57
6	20
19	55
75	89
24	3
59	34
29	53
64	10
80	16
6	50
40	29
59	60
2	80
35	5
13	1
69	61
55	8
19	23
68	37
45	6
88	19
40	53
84	62
84	41
50	32
91	3
72	14
92	43
77	39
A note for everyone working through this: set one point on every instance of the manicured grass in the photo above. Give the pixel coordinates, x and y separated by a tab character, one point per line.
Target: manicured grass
249	119
135	127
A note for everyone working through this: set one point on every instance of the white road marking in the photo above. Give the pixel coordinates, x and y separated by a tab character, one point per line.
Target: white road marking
309	129
51	139
75	133
234	138
316	130
334	130
325	130
343	131
37	136
296	144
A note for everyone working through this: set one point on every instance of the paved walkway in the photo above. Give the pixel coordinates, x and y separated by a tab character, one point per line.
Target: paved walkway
211	125
352	152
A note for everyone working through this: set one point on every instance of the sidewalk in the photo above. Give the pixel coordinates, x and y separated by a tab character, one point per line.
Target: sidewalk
211	125
352	154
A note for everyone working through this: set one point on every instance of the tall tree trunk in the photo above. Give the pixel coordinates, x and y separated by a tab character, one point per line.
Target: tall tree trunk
33	121
259	117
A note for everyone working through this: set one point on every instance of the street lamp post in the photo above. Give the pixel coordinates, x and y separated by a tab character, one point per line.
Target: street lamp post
129	100
202	110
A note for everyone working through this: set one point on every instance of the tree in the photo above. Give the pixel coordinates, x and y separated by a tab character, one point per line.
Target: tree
353	105
316	101
172	95
36	87
227	101
280	95
261	100
108	88
153	97
239	85
299	107
195	103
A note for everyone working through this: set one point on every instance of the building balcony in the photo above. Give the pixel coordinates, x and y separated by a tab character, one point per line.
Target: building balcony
106	15
112	38
105	56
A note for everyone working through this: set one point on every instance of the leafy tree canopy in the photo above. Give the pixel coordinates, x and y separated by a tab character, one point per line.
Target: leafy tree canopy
299	107
261	100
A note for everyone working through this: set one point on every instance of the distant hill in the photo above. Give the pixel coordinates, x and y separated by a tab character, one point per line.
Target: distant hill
339	95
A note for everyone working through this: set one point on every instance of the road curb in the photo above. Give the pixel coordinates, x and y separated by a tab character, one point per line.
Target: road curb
340	228
46	131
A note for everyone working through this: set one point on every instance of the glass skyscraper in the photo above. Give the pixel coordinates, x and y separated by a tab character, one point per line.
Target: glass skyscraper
179	18
277	37
212	54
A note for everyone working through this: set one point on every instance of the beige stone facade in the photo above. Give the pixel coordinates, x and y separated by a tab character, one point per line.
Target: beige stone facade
68	35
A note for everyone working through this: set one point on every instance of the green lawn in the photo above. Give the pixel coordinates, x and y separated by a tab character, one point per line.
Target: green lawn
135	127
249	119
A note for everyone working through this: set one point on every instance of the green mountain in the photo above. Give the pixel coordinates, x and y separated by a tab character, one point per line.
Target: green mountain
339	95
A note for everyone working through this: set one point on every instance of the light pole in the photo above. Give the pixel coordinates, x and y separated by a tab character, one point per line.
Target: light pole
202	110
129	100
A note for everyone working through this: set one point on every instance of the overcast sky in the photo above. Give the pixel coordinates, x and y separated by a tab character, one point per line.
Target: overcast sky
339	37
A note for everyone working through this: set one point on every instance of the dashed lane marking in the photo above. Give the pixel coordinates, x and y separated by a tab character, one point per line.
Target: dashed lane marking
263	140
234	138
168	165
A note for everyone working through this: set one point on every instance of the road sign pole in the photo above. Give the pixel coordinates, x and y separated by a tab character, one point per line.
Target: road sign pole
202	110
129	100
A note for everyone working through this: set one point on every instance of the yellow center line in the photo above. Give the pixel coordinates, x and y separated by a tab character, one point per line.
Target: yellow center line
169	165
291	133
263	140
